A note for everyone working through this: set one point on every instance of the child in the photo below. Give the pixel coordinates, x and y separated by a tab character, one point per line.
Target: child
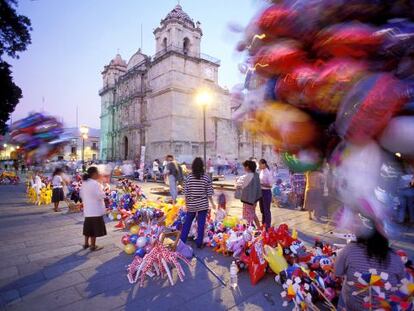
221	212
277	192
57	184
92	195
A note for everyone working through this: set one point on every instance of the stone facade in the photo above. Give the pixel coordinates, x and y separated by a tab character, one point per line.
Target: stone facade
150	101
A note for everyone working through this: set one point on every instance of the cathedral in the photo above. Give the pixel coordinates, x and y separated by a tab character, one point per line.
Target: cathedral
148	106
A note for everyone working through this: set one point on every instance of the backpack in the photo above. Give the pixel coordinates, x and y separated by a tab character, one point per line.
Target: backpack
180	175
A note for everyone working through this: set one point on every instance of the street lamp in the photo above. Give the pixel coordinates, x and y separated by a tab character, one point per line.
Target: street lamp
84	130
204	98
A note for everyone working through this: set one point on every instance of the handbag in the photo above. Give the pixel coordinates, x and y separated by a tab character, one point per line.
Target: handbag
238	193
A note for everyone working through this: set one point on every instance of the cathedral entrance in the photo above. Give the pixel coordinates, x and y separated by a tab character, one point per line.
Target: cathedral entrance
125	148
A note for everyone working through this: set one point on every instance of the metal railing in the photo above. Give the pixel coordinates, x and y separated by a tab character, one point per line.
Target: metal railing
181	50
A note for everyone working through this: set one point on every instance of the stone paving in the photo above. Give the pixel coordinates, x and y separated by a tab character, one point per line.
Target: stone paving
42	266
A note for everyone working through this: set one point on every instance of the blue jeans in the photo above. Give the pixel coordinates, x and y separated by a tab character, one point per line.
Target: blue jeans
173	186
264	204
406	205
201	222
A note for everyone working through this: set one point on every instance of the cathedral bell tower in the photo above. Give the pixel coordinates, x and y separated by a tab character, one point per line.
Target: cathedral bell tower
178	32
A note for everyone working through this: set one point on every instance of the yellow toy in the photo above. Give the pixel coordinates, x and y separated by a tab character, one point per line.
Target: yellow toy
221	247
31	195
45	195
275	258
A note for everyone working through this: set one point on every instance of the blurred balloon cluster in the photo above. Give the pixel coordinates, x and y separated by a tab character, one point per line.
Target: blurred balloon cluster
38	135
333	79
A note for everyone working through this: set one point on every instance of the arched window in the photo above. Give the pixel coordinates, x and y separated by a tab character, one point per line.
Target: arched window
125	148
164	44
186	45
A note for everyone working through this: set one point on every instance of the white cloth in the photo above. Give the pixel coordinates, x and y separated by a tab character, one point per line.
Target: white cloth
266	178
155	167
92	195
37	185
57	181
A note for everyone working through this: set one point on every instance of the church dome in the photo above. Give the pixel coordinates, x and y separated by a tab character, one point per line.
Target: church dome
118	61
179	14
135	59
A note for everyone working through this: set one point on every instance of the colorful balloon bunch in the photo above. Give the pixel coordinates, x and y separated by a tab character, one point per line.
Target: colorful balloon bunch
38	135
329	80
316	71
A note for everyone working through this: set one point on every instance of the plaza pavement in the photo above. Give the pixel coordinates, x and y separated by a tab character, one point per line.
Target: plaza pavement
42	266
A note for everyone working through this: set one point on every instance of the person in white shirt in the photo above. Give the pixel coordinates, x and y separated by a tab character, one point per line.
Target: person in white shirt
266	183
37	186
92	195
155	169
57	188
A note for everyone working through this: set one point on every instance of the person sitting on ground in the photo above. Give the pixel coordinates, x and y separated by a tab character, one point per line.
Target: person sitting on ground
93	196
370	251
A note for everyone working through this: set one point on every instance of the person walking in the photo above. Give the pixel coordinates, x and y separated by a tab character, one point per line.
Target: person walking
370	251
57	188
198	192
313	193
248	185
92	195
266	183
155	169
172	175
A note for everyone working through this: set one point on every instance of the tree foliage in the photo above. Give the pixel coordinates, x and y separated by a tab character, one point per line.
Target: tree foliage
14	38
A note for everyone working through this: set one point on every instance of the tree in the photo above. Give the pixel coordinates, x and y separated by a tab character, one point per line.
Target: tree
14	37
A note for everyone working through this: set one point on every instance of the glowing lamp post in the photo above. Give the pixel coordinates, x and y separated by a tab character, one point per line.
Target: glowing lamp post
84	130
204	99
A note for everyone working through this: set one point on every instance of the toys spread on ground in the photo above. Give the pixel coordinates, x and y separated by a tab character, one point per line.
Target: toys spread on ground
9	178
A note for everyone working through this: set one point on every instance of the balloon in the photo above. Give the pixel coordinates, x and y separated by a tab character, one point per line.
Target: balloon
287	127
348	40
134	229
279	58
125	240
129	249
277	21
332	84
275	259
133	238
141	242
355	120
398	136
140	252
257	263
305	160
293	88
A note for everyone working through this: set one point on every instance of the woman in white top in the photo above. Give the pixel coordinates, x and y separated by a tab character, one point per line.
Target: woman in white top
57	185
155	169
266	183
37	186
92	195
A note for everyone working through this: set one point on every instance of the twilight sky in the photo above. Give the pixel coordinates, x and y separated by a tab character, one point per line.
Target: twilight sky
73	39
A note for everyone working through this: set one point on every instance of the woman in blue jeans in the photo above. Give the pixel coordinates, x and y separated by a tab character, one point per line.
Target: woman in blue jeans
198	191
266	183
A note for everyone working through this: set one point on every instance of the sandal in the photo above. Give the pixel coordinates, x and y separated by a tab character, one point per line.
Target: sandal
85	246
95	248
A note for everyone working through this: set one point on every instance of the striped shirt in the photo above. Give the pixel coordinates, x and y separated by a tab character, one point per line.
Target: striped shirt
353	258
197	192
